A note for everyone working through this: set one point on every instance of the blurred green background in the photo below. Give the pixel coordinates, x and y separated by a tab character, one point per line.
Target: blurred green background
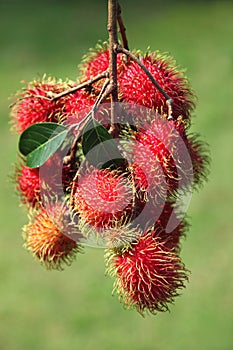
74	309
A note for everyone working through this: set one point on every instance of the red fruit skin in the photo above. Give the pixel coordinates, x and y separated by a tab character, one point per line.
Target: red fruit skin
166	158
34	104
103	198
170	227
28	185
136	88
57	175
76	106
97	62
148	275
161	155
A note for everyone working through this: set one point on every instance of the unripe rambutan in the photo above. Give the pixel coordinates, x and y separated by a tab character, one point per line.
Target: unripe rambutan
148	275
103	198
28	185
137	88
45	240
34	103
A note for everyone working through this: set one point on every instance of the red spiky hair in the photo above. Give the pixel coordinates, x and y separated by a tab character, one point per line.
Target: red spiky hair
162	158
148	275
137	88
166	158
28	185
76	106
103	198
34	103
96	61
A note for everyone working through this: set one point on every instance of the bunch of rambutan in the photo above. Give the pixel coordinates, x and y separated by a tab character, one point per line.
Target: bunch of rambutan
131	207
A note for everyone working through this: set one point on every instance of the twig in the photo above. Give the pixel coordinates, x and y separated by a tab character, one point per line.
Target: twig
113	42
28	96
81	86
169	100
104	93
122	28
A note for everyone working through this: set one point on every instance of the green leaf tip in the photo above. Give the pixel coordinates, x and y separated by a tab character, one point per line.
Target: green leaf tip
40	141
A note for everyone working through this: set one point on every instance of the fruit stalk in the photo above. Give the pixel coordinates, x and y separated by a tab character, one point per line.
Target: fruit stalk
122	28
113	43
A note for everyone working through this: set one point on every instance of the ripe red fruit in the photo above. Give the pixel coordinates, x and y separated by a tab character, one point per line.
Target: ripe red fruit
103	198
76	106
34	103
161	155
169	227
56	176
45	240
96	61
137	88
148	275
28	185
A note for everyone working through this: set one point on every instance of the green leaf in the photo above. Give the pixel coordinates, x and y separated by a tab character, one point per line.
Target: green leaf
40	141
99	147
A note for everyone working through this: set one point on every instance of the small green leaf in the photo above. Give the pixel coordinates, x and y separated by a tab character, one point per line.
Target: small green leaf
40	141
99	147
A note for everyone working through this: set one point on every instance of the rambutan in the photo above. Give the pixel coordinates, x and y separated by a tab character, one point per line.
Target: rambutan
96	61
137	88
46	241
57	176
103	198
34	103
161	153
28	185
147	274
170	226
76	106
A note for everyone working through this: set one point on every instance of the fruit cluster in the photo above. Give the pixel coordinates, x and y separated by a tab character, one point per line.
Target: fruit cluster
132	207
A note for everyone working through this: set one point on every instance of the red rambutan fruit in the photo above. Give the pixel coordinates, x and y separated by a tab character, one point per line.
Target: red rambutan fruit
28	185
103	198
56	175
45	240
161	155
96	61
140	181
147	274
169	227
137	88
34	103
76	106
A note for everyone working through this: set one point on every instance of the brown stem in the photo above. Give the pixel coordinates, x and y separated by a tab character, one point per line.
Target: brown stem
169	100
113	42
122	28
83	85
